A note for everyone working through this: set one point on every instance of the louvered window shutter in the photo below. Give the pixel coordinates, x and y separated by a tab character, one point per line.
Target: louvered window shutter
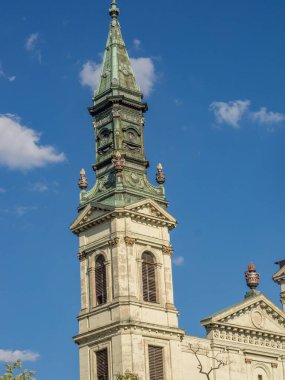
155	358
100	280
148	278
102	365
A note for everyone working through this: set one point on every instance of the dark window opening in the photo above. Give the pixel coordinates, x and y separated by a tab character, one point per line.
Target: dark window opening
100	280
155	357
102	365
148	278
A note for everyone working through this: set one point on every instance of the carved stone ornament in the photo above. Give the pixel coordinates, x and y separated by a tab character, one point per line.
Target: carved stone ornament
247	361
114	242
118	162
167	250
274	365
129	241
83	183
82	256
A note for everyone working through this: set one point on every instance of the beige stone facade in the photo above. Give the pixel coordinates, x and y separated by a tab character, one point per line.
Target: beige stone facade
247	339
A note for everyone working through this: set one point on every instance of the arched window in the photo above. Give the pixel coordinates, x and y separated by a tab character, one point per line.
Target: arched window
148	278
100	280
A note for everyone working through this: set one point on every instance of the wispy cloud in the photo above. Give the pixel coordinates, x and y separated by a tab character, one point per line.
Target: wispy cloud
178	260
22	210
178	102
143	67
2	190
233	112
31	41
12	356
31	45
263	116
20	148
40	187
137	44
5	76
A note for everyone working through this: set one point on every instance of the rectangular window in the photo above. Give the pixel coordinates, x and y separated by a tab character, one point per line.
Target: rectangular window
155	360
102	365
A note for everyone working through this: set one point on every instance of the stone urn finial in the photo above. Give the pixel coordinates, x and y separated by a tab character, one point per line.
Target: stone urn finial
252	280
252	277
83	183
160	176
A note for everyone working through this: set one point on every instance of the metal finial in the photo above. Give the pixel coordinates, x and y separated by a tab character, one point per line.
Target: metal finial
83	183
252	280
160	176
114	11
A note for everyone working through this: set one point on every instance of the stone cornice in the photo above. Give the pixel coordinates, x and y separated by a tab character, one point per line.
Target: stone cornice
116	328
117	303
85	222
242	335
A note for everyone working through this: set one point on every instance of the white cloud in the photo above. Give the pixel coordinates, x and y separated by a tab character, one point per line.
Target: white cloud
231	112
137	43
143	67
31	41
12	356
19	146
178	261
2	190
263	116
90	74
145	73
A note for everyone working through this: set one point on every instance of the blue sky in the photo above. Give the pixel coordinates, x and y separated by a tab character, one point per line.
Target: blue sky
213	73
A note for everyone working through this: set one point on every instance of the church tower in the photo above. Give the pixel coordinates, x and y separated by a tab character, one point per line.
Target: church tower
128	320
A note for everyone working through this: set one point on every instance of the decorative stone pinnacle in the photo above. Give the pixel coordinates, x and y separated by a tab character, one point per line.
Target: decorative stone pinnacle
160	176
114	11
118	162
252	277
83	183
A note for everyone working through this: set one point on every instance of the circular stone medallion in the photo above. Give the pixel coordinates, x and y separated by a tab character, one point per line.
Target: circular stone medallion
257	319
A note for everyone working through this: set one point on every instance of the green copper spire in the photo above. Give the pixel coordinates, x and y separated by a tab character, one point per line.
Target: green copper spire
117	76
118	119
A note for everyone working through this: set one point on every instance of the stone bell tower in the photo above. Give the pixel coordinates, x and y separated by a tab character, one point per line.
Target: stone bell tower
128	320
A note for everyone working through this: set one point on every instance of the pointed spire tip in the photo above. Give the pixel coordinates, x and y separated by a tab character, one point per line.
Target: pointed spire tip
114	11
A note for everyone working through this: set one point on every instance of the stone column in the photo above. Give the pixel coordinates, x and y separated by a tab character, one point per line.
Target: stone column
109	280
248	367
83	280
167	254
92	287
131	266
